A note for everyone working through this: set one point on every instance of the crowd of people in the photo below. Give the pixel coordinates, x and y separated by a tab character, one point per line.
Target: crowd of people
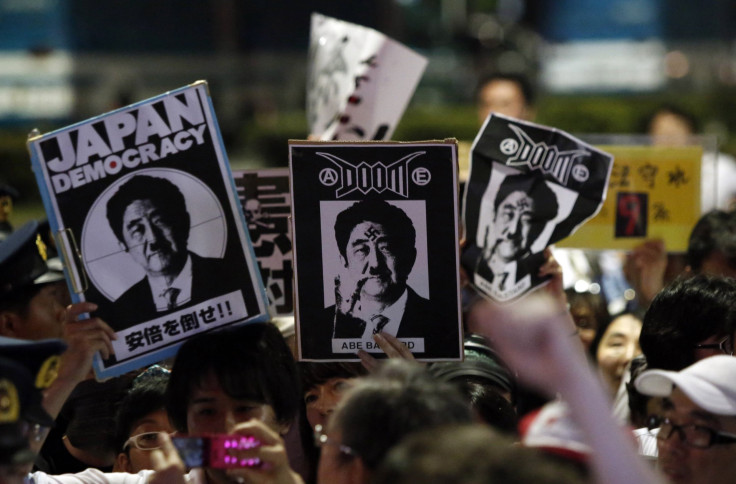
555	389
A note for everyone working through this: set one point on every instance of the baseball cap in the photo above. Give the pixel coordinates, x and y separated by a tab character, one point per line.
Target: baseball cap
551	429
23	257
710	383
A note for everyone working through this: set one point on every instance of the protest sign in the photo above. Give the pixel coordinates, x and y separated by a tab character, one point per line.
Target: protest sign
264	195
359	81
143	206
653	193
368	219
529	187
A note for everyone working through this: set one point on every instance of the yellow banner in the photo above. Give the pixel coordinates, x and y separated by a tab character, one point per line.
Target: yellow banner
653	193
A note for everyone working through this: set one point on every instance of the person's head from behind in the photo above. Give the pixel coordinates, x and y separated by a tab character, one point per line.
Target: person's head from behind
697	426
323	386
688	320
618	345
141	419
522	208
378	412
485	381
507	94
149	217
467	454
32	296
712	245
376	241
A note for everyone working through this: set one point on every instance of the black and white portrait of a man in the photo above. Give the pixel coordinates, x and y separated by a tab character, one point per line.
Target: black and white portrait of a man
522	208
150	220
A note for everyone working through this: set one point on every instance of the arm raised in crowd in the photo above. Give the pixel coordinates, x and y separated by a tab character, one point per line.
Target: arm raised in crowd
85	338
535	339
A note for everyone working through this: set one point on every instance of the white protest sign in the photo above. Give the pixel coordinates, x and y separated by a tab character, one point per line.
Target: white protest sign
359	81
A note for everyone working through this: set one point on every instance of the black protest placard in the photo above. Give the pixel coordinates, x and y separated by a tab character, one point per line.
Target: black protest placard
266	200
529	187
375	248
144	208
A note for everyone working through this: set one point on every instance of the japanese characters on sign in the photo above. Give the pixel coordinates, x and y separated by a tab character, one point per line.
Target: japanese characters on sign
359	81
654	192
529	187
144	207
264	195
368	217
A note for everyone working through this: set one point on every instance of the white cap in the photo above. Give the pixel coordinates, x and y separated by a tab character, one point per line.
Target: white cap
710	383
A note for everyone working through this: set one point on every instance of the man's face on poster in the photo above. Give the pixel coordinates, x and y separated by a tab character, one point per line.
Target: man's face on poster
152	240
372	256
252	211
512	226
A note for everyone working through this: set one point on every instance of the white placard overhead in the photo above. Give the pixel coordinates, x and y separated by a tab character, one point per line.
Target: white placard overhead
359	81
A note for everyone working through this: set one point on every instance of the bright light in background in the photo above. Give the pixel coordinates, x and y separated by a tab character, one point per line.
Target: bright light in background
581	285
676	64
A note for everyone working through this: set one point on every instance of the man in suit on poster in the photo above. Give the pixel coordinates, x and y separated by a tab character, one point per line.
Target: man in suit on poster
376	242
522	208
150	220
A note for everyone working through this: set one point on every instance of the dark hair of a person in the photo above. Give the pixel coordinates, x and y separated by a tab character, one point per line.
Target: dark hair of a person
488	404
470	454
147	395
317	373
18	301
404	399
161	192
250	362
715	231
522	82
396	223
669	108
545	200
595	344
683	314
637	401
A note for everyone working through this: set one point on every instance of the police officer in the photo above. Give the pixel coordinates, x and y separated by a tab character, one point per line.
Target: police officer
32	307
26	368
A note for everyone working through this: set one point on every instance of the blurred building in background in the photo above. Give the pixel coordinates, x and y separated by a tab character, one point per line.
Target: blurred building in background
66	60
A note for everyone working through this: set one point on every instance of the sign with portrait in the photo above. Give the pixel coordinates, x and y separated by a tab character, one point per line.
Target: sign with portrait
359	81
266	200
143	206
375	248
529	187
654	193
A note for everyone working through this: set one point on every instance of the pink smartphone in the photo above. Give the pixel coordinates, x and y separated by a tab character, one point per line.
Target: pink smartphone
215	451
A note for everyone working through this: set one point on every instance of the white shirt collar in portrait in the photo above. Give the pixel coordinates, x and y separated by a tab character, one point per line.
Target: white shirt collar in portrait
394	313
183	282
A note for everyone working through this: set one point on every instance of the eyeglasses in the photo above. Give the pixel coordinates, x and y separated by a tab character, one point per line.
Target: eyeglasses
693	435
321	439
725	345
145	441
